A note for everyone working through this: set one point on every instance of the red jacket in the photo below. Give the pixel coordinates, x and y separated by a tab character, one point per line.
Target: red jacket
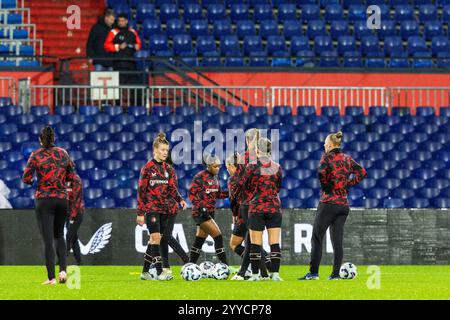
117	36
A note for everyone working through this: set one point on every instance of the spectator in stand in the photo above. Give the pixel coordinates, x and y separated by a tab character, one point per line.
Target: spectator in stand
95	49
123	42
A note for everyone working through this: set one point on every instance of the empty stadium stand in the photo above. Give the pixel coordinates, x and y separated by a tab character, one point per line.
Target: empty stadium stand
304	33
407	156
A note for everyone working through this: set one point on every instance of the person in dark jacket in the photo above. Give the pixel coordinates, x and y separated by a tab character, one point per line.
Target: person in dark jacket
337	173
95	44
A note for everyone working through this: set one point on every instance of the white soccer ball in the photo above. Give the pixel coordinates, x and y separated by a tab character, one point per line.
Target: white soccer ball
191	272
348	271
221	271
207	268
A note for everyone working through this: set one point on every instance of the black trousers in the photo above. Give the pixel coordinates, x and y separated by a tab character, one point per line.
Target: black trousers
72	237
51	216
334	217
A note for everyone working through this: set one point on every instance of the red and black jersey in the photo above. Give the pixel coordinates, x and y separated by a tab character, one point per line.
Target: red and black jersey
204	192
334	173
117	36
53	168
263	180
76	202
157	183
234	203
246	193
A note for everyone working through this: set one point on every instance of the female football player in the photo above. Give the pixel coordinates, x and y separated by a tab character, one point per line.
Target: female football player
203	194
75	218
334	170
157	183
263	179
53	169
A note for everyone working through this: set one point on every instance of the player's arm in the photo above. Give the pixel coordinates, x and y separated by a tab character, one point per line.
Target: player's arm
323	171
28	173
358	171
173	188
70	170
138	44
244	176
279	179
142	192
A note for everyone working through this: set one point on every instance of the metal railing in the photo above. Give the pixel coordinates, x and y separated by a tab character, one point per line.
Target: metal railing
243	96
329	96
172	96
8	88
414	97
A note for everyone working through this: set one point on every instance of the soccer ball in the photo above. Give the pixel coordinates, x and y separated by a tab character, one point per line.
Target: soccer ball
221	271
348	271
207	268
191	272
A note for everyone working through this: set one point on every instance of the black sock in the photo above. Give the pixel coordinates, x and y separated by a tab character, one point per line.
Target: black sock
255	257
157	260
262	265
164	246
147	258
196	248
220	250
275	257
176	246
268	263
246	257
239	250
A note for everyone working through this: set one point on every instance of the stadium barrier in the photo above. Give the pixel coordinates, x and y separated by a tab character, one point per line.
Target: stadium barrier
329	96
172	96
372	236
244	96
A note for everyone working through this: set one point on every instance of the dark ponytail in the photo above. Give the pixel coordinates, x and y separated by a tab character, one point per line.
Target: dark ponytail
47	137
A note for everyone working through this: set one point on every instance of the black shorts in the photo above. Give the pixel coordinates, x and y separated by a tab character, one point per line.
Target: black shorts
156	222
243	211
203	218
240	230
261	221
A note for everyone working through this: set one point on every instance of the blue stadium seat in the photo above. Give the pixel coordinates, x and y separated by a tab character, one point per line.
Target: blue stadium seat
182	43
433	29
352	59
310	12
409	28
239	11
338	28
222	28
361	30
440	44
252	44
287	11
404	12
229	45
393	203
427	12
268	28
275	43
388	29
322	43
357	12
333	12
145	11
369	44
345	44
174	27
205	44
168	11
245	28
292	28
199	28
263	12
316	28
192	11
422	60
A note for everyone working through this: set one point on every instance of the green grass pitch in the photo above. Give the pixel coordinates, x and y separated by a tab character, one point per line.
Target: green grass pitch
122	282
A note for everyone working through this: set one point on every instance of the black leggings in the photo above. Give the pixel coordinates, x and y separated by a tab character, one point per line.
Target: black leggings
333	216
72	237
168	240
51	216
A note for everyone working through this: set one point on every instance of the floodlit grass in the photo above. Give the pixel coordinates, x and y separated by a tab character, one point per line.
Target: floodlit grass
122	282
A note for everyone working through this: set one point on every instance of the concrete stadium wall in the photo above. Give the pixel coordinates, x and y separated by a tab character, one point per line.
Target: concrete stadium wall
372	236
